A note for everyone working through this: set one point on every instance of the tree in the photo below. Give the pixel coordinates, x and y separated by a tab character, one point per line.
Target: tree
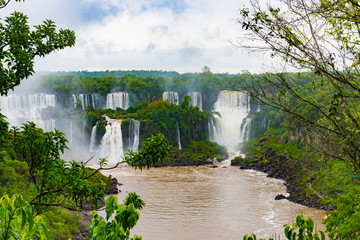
17	220
320	37
19	45
124	219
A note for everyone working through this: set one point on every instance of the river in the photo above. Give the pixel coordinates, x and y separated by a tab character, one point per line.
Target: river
184	203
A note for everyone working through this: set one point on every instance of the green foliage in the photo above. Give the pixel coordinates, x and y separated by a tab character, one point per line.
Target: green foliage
17	220
154	151
14	175
61	224
305	227
57	182
124	218
344	221
201	151
325	100
302	229
20	46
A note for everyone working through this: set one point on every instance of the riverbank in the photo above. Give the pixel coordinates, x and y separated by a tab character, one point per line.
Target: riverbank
289	170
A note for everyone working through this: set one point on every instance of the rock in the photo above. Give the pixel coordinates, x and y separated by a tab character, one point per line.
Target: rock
213	166
280	197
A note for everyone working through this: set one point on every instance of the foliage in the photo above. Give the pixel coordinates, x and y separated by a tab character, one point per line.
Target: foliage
153	151
124	219
61	223
20	46
344	221
14	175
310	37
57	182
304	227
17	220
200	151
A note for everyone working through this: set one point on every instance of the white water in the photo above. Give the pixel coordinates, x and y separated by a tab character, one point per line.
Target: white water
134	134
111	146
196	99
233	107
172	97
118	100
22	108
245	130
178	135
87	100
93	139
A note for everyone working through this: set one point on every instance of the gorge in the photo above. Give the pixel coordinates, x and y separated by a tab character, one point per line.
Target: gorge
227	189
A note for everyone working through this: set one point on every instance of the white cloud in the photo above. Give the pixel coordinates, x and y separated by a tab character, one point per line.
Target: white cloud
146	34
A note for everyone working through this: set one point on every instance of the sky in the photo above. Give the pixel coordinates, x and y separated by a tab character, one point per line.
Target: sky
169	35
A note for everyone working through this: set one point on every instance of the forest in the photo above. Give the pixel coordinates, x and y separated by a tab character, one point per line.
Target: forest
304	125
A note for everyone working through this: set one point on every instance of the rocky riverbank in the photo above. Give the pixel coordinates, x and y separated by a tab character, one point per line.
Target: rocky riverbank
290	171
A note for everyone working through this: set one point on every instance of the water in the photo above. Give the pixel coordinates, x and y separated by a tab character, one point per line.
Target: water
112	143
111	146
21	108
245	130
172	97
93	139
196	99
178	135
233	107
118	100
185	203
134	134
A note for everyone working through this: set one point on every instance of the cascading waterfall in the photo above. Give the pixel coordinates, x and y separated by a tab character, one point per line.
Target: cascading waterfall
172	97
178	135
93	139
118	100
245	130
134	134
111	146
214	129
233	107
196	99
87	99
21	108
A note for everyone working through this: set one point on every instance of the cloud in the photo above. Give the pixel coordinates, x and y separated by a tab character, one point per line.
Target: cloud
179	35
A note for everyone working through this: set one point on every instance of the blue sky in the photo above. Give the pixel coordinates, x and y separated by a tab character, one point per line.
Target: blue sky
181	36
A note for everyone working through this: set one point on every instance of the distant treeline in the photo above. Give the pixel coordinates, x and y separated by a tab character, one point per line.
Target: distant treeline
145	86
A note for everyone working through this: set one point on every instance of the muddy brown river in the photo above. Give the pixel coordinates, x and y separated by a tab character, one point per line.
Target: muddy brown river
185	203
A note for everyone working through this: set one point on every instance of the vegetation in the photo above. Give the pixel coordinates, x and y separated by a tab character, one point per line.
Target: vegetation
125	218
20	45
320	106
303	228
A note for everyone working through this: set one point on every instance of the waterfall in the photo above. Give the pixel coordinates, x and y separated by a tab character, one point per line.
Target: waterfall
178	135
73	101
87	99
111	146
172	97
214	129
134	134
233	107
196	99
93	139
118	100
245	130
21	108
